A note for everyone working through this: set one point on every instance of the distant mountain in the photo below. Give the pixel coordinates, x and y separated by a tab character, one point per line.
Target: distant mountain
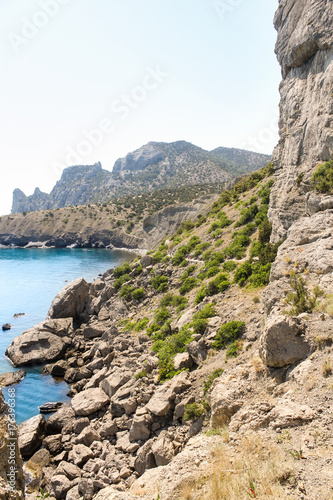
157	165
241	161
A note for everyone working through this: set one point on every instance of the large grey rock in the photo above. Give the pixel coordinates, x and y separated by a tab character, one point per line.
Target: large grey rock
145	458
69	470
30	435
87	436
89	401
182	360
10	378
304	49
115	380
40	344
70	302
60	419
283	342
80	454
59	485
196	351
140	428
163	450
162	401
226	399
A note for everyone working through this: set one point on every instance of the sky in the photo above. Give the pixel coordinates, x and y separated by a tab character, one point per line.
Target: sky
91	80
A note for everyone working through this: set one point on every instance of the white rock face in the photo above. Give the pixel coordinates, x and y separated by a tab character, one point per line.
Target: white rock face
304	50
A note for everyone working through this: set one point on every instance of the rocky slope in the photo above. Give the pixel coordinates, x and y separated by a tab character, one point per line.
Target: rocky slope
155	166
304	49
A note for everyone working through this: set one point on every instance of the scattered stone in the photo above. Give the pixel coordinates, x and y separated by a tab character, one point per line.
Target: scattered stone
63	417
111	384
60	484
50	407
163	450
6	326
81	454
140	429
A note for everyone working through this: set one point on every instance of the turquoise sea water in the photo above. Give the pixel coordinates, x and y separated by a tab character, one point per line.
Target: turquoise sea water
29	280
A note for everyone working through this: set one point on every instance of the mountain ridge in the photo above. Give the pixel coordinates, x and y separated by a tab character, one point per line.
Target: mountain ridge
154	166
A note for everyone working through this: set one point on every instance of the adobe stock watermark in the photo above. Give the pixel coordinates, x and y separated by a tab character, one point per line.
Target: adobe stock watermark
39	20
224	7
12	441
121	109
265	137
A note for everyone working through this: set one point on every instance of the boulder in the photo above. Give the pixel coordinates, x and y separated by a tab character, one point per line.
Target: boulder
30	435
289	414
124	444
182	360
145	458
163	450
38	461
197	353
93	331
73	494
69	470
283	342
70	302
36	345
162	401
63	417
10	378
146	261
53	444
87	436
59	486
86	488
140	428
116	379
81	454
59	368
6	326
225	400
89	401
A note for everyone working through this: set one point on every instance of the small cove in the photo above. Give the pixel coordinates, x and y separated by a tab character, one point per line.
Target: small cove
29	280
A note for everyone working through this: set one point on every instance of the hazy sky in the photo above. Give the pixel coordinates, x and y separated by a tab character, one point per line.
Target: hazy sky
90	80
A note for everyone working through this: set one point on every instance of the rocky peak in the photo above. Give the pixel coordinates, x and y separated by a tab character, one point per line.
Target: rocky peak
304	49
139	159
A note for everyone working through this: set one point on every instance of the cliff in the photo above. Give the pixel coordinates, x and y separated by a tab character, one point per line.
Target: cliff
304	50
154	166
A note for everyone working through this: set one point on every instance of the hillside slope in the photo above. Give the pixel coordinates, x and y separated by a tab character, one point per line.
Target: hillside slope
154	166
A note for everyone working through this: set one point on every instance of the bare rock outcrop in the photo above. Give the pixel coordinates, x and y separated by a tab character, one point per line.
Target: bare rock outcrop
304	50
70	302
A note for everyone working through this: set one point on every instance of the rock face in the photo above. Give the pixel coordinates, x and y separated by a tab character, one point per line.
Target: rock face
11	484
304	50
40	344
10	378
70	302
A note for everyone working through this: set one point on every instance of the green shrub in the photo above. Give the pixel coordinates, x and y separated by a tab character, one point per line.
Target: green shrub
188	285
218	285
138	294
201	294
126	292
301	298
322	179
229	266
247	215
209	381
120	281
228	333
160	283
243	273
141	324
167	350
193	411
174	300
121	270
201	248
189	270
141	374
233	349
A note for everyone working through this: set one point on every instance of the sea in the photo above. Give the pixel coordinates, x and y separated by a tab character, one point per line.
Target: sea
29	280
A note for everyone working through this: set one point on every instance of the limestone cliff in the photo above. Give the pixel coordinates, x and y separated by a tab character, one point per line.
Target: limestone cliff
304	50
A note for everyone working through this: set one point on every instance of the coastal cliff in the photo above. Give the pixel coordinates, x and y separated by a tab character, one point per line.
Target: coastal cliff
304	50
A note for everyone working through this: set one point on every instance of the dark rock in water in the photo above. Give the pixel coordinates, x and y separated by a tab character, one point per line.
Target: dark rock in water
50	407
6	326
18	315
10	378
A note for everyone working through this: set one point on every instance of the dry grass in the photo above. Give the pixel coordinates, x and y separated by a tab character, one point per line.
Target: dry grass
326	368
257	466
258	364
